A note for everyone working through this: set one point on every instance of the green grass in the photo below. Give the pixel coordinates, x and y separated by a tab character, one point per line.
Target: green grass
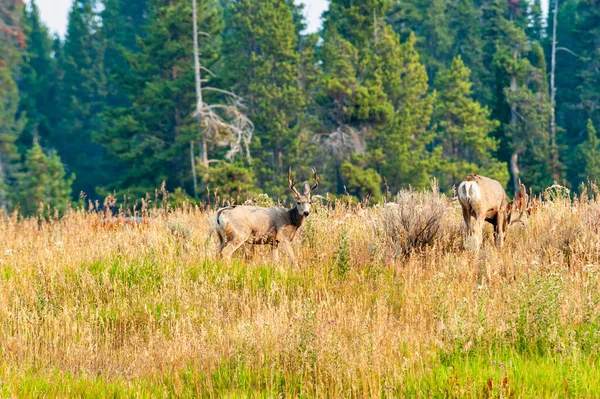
470	375
138	313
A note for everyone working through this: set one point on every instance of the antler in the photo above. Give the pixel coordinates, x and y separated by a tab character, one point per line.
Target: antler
315	179
292	182
520	203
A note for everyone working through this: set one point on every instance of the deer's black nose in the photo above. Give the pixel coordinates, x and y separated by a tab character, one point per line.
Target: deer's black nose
305	213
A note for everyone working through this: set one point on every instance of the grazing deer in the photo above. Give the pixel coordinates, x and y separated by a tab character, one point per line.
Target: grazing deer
236	225
485	200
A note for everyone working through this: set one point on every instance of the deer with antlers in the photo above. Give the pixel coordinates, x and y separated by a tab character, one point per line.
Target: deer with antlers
485	200
236	225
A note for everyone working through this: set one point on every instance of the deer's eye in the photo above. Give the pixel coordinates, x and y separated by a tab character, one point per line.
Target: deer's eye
298	202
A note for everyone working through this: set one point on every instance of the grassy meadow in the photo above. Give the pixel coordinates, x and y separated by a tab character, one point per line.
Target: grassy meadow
386	302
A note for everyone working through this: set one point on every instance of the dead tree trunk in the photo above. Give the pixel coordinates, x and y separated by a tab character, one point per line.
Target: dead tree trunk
514	158
553	147
199	104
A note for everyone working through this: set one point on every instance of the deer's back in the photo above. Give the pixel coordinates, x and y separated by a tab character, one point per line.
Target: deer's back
260	223
483	195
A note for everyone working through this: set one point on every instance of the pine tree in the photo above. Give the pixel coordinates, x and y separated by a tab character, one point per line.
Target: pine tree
588	30
123	23
444	30
38	80
568	65
11	127
590	152
520	97
465	19
464	130
358	22
403	143
262	64
12	42
43	184
82	97
535	27
12	39
375	90
150	137
435	38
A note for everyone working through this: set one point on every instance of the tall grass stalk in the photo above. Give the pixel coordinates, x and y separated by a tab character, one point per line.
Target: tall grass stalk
126	310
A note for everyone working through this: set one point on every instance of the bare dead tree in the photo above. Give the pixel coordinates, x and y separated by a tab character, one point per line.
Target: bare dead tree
223	124
553	148
343	141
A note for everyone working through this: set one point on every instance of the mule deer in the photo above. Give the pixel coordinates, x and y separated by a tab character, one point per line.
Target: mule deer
485	200
236	225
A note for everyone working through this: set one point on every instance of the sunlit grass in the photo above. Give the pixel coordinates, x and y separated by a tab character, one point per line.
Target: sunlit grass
98	310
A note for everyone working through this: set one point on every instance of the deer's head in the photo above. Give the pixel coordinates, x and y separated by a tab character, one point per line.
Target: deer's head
302	201
516	210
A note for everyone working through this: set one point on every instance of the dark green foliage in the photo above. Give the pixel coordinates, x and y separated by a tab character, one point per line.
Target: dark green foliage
590	152
150	138
116	97
261	63
11	127
43	184
122	24
12	43
588	36
38	82
82	96
230	181
464	130
361	181
12	39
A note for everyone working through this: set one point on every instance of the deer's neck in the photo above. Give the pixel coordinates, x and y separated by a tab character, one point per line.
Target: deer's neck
296	218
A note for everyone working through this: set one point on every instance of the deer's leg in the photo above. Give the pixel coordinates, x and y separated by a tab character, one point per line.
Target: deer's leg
478	229
222	241
467	217
232	246
275	253
499	229
289	251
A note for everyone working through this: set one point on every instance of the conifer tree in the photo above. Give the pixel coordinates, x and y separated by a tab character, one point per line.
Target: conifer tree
404	141
520	98
464	130
11	127
590	152
261	64
150	136
82	97
12	39
378	88
123	23
535	27
465	19
12	43
38	80
43	183
588	34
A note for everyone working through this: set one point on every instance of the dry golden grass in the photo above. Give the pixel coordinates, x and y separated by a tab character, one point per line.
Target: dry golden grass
88	309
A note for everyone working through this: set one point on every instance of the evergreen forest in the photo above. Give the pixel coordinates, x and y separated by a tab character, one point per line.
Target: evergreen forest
387	94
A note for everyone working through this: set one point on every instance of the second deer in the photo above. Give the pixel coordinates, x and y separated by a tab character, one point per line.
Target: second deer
485	200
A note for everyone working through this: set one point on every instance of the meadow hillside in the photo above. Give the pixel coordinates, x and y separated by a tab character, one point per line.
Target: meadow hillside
385	303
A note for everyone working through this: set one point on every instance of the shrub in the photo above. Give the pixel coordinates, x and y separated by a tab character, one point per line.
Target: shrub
414	220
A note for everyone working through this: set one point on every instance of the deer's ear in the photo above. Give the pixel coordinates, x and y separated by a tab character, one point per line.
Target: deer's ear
306	188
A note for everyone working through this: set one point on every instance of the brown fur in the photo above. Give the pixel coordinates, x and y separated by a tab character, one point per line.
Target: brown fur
236	225
488	202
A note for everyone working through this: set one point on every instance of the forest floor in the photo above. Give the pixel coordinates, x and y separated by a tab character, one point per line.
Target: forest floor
386	302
